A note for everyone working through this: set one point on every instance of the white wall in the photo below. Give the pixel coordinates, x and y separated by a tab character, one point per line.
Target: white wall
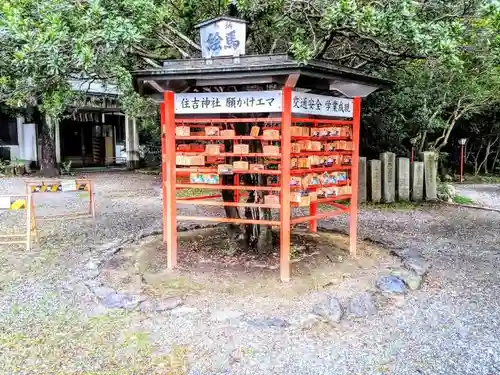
26	148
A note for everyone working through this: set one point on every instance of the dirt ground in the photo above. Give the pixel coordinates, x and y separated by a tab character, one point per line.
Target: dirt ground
234	316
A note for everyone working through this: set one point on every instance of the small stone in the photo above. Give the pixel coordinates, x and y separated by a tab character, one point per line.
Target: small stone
159	306
269	323
332	311
410	278
103	291
417	265
183	310
224	315
147	307
310	321
391	285
91	274
120	301
91	266
92	284
362	305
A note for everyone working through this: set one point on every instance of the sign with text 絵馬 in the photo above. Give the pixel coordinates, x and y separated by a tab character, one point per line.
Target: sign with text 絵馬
228	102
223	38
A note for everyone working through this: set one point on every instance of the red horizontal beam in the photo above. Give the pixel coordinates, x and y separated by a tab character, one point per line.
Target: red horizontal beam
333	199
321	153
230	204
222	138
229	154
322	215
321	169
228	220
196	122
229	187
316	121
199	197
187	171
307	137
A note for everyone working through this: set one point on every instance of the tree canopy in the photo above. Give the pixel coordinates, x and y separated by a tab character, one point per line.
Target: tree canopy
444	55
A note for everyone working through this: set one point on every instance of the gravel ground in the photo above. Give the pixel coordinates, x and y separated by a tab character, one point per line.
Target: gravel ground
51	323
486	195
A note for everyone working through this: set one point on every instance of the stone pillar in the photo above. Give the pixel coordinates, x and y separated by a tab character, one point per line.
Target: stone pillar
430	175
403	179
417	181
388	160
362	180
375	182
132	142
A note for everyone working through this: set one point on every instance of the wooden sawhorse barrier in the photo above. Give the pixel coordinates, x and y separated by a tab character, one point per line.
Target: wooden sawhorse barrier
60	186
14	203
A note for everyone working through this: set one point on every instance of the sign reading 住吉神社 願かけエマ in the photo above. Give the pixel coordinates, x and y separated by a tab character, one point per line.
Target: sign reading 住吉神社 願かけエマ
228	102
261	101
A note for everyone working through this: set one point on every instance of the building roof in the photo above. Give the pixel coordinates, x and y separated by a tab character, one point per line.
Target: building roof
320	76
217	19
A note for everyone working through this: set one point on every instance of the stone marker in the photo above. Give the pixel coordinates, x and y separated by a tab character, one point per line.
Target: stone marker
403	179
362	180
417	181
388	160
375	182
430	175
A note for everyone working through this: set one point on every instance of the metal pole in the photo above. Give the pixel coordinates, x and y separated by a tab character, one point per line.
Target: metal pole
285	210
461	163
169	179
353	207
412	155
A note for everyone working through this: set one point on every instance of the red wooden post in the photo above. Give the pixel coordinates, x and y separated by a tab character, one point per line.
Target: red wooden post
169	178
285	210
313	210
164	169
462	163
353	208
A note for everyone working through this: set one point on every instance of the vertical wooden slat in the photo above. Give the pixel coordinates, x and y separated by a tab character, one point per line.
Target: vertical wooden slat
285	212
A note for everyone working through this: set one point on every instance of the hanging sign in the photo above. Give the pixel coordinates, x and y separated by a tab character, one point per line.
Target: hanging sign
68	185
321	105
4	203
228	102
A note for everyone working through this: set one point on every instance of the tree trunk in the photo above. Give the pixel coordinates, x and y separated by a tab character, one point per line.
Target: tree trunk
48	164
493	165
243	237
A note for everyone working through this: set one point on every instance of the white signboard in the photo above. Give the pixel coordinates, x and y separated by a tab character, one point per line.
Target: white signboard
228	102
4	203
223	38
68	185
321	105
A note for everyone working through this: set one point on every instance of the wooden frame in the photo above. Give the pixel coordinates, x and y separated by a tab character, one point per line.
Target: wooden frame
30	234
31	189
170	172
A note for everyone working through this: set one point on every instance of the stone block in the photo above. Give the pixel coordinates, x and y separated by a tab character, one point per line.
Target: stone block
403	179
375	180
362	182
430	175
388	160
417	181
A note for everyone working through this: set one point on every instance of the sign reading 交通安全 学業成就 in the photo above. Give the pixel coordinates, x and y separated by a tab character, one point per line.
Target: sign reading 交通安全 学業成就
321	105
261	101
228	102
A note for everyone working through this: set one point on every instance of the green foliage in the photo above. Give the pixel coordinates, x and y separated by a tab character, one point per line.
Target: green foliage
460	199
49	42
